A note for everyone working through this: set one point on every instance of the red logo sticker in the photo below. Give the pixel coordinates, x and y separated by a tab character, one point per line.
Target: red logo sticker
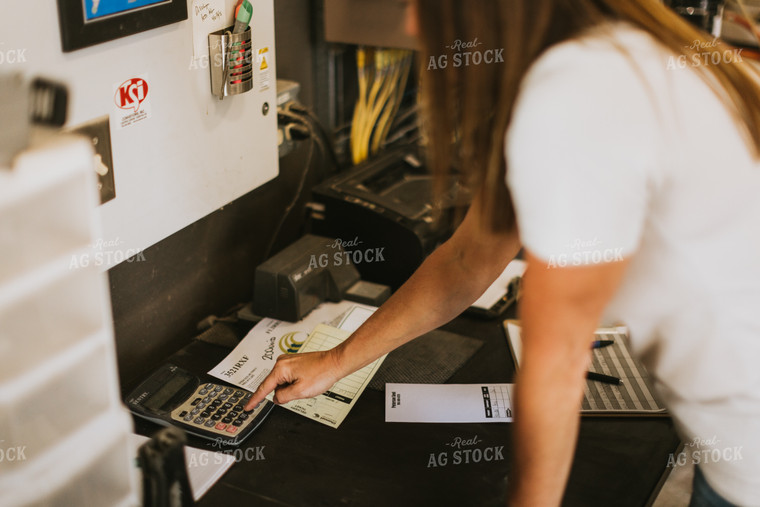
131	94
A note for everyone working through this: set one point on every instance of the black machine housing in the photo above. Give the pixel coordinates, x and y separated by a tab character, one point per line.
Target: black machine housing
312	270
387	203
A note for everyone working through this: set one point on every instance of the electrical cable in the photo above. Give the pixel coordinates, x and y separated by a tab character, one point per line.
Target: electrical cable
365	124
370	104
388	86
379	99
388	106
362	72
327	146
381	133
296	197
407	115
401	133
388	89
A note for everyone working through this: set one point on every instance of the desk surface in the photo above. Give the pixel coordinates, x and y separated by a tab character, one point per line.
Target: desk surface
367	462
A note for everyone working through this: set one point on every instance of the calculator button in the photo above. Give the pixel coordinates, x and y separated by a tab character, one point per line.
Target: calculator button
240	394
232	429
228	391
199	420
196	401
183	413
209	386
234	399
210	423
243	417
201	405
227	406
223	397
238	422
221	411
254	408
207	400
227	420
195	411
234	414
238	408
218	388
205	413
212	394
216	417
247	396
203	392
220	426
188	417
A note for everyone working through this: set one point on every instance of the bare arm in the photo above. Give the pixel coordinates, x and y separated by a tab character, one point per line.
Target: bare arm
450	280
560	309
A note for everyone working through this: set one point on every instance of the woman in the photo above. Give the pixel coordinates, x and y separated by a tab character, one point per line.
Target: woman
631	164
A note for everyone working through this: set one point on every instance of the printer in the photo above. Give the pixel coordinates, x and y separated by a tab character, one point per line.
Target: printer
386	205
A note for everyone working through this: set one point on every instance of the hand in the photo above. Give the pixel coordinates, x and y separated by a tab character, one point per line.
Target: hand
297	376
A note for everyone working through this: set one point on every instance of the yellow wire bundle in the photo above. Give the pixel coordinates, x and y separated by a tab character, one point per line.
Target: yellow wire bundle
381	90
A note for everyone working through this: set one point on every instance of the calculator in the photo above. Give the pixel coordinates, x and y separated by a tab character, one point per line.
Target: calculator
172	396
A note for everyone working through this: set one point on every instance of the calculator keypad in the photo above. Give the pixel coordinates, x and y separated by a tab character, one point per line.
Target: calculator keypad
216	409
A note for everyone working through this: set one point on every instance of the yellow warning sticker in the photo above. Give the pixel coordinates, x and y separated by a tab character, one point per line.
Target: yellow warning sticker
264	78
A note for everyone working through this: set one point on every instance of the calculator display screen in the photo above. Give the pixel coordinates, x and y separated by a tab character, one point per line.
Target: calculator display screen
172	386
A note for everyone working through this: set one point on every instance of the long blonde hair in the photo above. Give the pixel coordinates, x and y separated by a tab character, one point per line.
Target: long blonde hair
468	108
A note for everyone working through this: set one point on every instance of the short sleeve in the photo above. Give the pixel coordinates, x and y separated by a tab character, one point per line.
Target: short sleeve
579	149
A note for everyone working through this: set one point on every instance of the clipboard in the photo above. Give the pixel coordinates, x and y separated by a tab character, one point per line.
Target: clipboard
634	397
502	293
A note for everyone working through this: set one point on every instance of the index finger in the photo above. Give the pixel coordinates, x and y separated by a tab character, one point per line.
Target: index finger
267	386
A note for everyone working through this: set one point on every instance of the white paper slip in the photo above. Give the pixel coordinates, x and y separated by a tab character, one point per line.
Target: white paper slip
252	360
332	406
204	468
355	317
449	403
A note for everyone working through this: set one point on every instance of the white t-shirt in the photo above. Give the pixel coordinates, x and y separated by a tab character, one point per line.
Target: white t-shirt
630	154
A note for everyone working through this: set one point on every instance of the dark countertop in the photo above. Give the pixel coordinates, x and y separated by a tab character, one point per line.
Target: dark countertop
619	461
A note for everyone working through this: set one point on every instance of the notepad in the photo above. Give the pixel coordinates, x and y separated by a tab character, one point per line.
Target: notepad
635	396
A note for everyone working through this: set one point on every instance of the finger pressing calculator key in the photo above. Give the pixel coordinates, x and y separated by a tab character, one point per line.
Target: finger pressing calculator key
173	396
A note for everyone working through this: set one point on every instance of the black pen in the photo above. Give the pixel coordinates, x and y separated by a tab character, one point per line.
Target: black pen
598	344
601	377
